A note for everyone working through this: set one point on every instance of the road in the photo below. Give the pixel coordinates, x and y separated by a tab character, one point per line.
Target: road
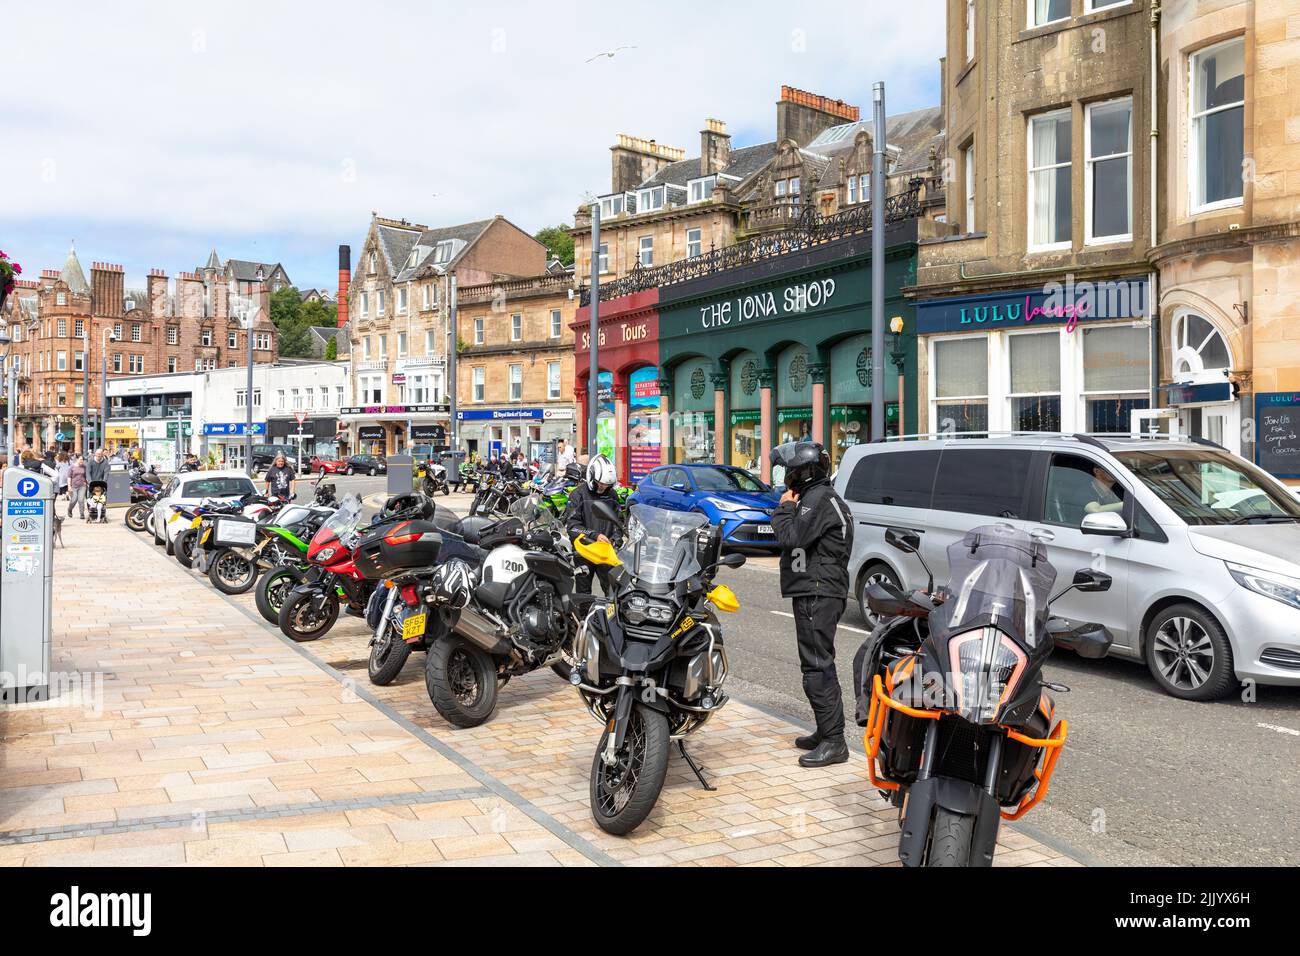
1145	778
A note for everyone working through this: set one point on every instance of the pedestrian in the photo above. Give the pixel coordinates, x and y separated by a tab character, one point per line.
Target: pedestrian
279	478
564	456
77	482
62	468
581	519
97	467
813	526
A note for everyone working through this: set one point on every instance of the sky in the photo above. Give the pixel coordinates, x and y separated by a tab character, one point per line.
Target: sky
150	133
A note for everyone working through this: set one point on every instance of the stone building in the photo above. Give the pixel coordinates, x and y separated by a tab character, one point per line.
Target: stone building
515	374
397	307
65	326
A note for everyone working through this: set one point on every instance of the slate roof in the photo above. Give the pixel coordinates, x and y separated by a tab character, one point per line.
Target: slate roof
909	137
245	271
741	163
400	244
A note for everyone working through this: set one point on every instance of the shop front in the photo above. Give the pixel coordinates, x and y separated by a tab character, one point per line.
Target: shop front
316	435
375	429
491	432
1061	357
226	442
691	420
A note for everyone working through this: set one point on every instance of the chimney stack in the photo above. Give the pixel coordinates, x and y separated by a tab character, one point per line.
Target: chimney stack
107	289
634	160
345	277
715	147
801	115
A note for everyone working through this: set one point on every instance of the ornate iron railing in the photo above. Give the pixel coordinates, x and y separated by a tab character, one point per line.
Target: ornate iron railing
810	229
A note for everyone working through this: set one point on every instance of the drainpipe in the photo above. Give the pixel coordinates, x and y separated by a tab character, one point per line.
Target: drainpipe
1153	307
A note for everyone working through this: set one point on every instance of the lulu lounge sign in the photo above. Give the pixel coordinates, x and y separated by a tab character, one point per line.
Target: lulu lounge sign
1066	303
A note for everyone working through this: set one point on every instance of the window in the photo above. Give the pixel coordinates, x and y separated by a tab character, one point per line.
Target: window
968	158
173	335
135	332
1047	11
648	200
171	364
433	294
62	392
62	328
263	342
1200	351
379	302
479	380
1034	394
1108	171
1076	487
117	361
78	361
1216	143
960	383
1050	213
970	30
401	300
61	361
694	242
1092	5
983	481
556	324
137	364
701	190
603	259
516	382
516	327
478	331
611	206
552	380
117	331
205	337
365	304
79	393
899	479
646	250
297	399
424	301
788	189
383	346
1116	376
232	340
401	344
79	328
241	397
338	395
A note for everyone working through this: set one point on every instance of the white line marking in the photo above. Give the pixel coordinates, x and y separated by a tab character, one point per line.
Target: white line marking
1280	730
842	627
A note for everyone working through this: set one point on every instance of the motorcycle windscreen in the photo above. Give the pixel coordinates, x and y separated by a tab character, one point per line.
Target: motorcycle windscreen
661	545
1000	578
342	522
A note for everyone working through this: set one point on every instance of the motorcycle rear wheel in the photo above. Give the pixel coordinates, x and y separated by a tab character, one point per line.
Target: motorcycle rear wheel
623	795
951	835
387	657
272	587
135	517
299	622
231	573
461	680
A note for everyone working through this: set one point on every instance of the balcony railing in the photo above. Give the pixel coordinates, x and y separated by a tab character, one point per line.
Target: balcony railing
810	229
373	365
513	287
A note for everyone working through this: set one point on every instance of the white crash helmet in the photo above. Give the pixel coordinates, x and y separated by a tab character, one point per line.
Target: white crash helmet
600	471
452	583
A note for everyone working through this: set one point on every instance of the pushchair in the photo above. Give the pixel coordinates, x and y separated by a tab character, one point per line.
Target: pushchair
97	502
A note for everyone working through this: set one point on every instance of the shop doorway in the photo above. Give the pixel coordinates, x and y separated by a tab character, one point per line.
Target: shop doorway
1219	423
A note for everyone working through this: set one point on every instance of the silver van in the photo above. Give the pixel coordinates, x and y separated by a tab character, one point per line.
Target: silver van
1203	547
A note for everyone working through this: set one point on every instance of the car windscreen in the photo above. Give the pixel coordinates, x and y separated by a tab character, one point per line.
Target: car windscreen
727	479
1207	487
218	488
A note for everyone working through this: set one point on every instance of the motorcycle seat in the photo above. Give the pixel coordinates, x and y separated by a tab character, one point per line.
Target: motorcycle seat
473	528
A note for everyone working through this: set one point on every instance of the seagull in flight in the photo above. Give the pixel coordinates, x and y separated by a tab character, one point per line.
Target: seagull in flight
609	54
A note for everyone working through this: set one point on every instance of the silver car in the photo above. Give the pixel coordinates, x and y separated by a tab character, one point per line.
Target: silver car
1203	547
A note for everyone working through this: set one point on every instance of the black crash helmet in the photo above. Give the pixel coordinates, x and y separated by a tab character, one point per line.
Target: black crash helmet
409	507
804	462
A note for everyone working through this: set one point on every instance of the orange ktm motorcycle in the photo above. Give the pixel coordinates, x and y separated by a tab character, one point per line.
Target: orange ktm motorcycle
960	728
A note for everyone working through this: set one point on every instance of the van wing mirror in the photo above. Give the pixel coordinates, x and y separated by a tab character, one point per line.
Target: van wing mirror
1086	579
1108	523
903	540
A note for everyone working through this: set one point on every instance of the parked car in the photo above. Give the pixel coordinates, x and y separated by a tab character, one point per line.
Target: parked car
730	497
324	465
1203	546
365	465
191	488
264	455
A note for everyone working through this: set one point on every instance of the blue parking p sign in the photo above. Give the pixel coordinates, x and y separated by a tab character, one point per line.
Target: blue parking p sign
27	487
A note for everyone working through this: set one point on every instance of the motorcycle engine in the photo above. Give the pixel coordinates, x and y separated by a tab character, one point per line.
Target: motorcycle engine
540	620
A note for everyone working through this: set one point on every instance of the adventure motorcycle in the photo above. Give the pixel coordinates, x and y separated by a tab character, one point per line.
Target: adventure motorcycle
249	507
434	481
960	728
652	661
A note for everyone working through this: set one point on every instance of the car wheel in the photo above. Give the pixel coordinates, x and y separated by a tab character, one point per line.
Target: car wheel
1188	654
348	471
876	573
372	472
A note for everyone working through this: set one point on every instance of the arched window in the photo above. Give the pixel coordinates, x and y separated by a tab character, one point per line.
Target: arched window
1200	350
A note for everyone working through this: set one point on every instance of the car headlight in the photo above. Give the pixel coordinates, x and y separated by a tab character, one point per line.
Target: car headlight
1275	586
984	667
723	505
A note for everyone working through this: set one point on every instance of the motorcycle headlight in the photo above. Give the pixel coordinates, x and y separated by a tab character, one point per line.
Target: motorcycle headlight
1275	586
324	554
985	665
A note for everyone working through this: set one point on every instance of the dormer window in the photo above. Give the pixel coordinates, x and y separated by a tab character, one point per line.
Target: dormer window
701	190
649	200
411	259
616	205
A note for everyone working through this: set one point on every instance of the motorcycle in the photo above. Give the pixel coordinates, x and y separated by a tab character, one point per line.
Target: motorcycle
961	731
200	516
139	514
517	612
435	479
651	656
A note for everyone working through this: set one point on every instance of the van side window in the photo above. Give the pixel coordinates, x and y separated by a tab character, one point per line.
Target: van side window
1077	487
984	481
901	479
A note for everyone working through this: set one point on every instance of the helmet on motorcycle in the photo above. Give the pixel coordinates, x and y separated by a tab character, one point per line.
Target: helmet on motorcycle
574	472
452	582
409	507
805	462
600	471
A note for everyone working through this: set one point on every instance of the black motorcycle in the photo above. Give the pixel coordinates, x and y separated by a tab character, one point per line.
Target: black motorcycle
651	657
960	727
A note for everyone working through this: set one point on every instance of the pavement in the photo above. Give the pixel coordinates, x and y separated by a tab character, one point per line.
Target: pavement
184	730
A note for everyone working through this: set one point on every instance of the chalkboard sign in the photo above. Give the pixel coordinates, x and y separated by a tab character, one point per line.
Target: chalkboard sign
1277	433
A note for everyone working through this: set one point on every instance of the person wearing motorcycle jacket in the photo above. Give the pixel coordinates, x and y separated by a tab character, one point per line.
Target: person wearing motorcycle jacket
580	519
815	531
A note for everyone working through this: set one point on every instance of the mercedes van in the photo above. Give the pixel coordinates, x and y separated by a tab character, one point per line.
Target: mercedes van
1203	546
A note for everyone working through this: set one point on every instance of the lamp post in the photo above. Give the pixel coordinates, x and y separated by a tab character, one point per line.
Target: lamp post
85	389
108	336
11	390
878	191
593	368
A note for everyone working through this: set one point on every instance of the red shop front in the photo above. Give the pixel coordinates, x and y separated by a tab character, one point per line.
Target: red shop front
628	427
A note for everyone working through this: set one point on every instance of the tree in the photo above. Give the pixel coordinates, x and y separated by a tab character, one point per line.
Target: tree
331	350
558	243
318	313
286	316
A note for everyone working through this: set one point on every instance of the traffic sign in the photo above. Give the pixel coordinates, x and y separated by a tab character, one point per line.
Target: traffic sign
28	487
58	436
301	416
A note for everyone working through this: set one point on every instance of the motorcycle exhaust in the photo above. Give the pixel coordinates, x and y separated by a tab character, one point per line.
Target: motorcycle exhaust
482	631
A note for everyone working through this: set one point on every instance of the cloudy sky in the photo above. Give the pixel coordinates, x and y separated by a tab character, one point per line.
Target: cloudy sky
150	133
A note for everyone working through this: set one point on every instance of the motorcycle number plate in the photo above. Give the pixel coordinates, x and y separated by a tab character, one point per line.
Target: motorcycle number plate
413	626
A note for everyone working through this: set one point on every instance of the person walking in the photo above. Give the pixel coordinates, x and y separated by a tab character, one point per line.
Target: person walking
815	531
77	482
62	468
97	467
563	456
280	478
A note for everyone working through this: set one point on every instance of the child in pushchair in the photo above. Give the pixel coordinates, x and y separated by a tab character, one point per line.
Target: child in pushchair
97	504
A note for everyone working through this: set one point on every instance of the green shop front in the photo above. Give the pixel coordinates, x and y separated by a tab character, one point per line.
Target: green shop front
779	350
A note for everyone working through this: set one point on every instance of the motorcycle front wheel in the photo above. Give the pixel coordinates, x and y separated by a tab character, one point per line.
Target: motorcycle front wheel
387	657
135	517
461	680
951	835
272	587
623	794
231	573
183	547
300	621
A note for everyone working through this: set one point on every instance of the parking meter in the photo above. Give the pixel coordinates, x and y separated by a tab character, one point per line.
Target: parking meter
26	585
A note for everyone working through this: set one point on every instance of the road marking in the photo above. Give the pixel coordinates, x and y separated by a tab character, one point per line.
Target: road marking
1280	730
843	627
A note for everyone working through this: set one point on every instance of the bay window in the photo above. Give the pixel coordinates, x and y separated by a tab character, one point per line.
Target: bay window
1216	146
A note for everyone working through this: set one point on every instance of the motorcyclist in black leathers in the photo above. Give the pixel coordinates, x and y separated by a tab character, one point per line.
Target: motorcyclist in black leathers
581	519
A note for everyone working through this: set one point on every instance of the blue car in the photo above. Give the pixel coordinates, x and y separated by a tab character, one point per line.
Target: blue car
727	496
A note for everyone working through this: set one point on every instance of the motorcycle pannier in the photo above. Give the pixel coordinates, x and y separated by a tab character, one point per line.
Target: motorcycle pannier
406	545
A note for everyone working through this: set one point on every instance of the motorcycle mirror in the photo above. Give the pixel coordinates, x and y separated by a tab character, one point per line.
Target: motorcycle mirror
733	560
603	510
903	540
1086	579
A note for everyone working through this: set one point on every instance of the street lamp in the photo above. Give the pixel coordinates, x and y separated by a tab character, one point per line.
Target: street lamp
108	336
896	352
